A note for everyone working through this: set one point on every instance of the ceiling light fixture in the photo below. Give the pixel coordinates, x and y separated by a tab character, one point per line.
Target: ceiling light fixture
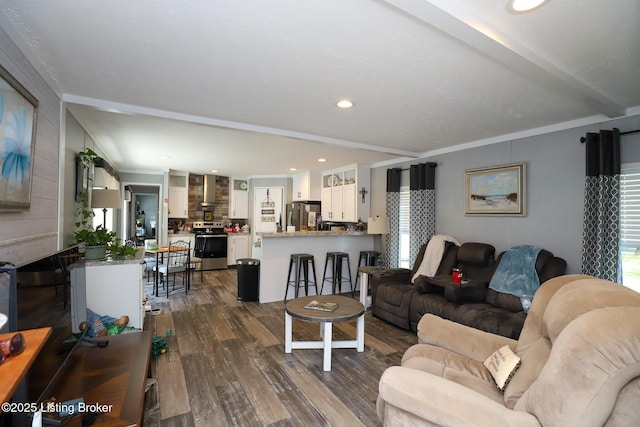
214	170
321	160
164	157
522	6
292	169
344	104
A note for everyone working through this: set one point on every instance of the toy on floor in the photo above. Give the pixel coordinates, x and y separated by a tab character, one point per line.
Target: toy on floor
102	326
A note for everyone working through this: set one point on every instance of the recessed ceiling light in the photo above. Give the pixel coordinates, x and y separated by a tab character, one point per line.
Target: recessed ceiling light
322	160
164	157
214	170
292	169
344	103
522	6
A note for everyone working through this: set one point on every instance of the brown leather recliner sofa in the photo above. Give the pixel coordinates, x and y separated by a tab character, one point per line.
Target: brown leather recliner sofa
396	299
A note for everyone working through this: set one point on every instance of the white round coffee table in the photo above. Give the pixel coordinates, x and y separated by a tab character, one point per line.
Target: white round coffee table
348	308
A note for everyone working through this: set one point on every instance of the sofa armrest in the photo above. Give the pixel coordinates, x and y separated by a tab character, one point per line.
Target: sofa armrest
391	275
468	291
470	342
443	402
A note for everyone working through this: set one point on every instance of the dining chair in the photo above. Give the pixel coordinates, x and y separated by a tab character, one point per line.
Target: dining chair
63	260
177	261
195	261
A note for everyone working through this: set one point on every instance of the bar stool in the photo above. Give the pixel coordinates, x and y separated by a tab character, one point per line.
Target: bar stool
301	262
337	263
370	258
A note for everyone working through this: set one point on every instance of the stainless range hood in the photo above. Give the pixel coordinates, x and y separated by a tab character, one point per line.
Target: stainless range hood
209	191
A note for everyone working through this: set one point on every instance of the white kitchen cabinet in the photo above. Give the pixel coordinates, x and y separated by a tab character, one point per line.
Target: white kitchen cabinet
108	288
341	197
237	247
178	202
178	195
301	187
239	198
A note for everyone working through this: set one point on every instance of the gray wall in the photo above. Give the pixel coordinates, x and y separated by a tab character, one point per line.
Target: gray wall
555	186
27	235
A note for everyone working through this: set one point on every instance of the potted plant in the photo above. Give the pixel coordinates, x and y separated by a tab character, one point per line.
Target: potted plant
121	251
95	241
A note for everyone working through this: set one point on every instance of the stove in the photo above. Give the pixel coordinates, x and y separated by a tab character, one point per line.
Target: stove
208	227
210	244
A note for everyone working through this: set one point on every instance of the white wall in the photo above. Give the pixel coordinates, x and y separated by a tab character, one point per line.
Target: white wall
555	187
31	234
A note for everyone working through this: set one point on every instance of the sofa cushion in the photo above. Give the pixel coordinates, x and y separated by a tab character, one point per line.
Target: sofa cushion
453	367
502	300
465	292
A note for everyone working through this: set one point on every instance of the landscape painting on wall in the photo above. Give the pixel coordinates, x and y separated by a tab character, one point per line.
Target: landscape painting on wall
18	110
496	190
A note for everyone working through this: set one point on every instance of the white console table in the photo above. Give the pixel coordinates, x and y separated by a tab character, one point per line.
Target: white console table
108	288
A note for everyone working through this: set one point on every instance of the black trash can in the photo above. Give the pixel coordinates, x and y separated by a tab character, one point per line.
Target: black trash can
248	279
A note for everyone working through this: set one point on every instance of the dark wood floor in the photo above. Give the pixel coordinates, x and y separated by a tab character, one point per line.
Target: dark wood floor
226	364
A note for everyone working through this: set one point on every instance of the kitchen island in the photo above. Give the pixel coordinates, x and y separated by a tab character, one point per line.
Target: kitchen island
108	287
276	248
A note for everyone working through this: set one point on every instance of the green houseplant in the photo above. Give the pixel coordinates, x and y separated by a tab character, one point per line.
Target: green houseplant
121	251
95	241
99	236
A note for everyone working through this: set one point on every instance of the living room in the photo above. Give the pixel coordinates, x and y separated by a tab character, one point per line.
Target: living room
554	157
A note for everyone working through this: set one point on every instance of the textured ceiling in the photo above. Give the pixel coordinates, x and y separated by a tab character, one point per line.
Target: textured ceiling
249	87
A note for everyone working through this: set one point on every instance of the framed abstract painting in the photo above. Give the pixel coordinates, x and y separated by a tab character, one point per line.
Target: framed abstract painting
496	190
18	114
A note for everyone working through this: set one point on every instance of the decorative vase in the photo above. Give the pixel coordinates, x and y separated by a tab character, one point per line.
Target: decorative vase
95	252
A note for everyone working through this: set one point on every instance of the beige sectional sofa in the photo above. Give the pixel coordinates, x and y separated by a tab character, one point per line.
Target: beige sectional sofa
579	356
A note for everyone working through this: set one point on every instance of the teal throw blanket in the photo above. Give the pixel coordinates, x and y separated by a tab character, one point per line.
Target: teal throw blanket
516	273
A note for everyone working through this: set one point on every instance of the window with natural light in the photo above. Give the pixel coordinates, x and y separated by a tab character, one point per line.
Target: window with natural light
630	225
99	218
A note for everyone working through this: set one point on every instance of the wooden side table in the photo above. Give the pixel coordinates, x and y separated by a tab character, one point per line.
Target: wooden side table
348	309
16	367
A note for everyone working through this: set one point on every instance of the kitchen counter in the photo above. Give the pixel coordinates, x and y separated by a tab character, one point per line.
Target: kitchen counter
137	259
275	249
312	234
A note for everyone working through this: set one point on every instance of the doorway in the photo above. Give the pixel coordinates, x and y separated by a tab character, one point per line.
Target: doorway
142	214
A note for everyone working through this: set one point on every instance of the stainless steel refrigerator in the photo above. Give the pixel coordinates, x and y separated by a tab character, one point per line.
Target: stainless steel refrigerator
303	213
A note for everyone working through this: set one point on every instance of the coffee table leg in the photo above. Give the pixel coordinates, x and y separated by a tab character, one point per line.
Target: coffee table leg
360	334
287	332
364	288
326	339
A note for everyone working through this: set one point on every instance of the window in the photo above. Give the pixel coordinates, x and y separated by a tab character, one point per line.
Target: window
404	245
630	225
99	218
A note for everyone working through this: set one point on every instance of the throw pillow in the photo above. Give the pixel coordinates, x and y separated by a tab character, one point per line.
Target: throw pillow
502	365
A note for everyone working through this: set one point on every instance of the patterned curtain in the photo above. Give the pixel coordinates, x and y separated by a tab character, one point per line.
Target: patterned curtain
422	199
601	230
392	246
